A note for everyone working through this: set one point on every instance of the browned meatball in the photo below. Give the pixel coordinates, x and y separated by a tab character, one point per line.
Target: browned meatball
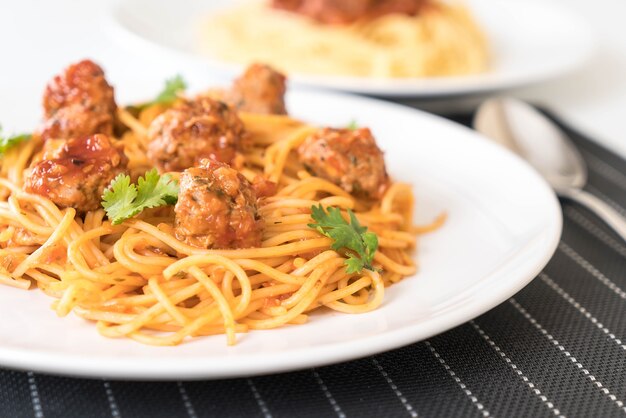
78	102
82	83
348	11
349	158
217	208
76	121
407	7
287	4
75	172
261	89
263	187
327	11
193	130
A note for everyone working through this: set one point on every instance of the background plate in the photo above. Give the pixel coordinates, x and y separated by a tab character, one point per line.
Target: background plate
531	40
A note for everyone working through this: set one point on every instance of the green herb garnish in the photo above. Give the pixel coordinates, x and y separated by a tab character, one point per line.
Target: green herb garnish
353	125
360	244
123	200
6	143
173	87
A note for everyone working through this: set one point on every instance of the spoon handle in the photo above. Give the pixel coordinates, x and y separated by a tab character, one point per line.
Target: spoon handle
605	212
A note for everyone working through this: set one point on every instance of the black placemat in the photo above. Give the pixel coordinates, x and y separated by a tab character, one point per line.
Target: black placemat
556	348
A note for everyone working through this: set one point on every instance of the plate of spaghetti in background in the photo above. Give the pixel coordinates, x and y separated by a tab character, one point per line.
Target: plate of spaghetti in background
242	230
413	48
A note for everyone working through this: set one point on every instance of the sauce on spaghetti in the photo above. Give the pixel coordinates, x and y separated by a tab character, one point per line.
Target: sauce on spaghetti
349	11
238	252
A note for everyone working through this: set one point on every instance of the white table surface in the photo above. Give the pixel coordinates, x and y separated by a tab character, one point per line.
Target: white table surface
38	38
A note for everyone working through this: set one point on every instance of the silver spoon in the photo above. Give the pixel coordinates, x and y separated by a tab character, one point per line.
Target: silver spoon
521	128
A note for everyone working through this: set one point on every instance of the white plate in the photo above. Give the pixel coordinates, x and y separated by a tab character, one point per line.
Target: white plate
531	41
504	224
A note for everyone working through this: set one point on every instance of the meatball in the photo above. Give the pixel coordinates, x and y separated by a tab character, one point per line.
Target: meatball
76	121
193	130
327	11
348	11
261	89
75	172
217	208
78	102
263	187
82	83
406	7
290	5
349	158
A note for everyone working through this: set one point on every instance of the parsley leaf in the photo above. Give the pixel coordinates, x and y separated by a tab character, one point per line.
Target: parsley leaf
173	86
123	200
353	125
350	236
118	197
9	142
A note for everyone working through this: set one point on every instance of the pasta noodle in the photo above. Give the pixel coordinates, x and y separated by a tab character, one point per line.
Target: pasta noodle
136	280
443	40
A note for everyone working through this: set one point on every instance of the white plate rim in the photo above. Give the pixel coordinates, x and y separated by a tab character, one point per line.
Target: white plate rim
519	270
410	87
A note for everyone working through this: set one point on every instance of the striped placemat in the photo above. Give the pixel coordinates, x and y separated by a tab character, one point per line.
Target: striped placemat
557	348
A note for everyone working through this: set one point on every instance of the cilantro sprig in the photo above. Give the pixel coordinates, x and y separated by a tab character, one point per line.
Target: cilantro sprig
360	244
8	142
122	200
173	87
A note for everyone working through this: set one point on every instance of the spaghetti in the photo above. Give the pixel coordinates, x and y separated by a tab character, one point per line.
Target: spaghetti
441	40
137	280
